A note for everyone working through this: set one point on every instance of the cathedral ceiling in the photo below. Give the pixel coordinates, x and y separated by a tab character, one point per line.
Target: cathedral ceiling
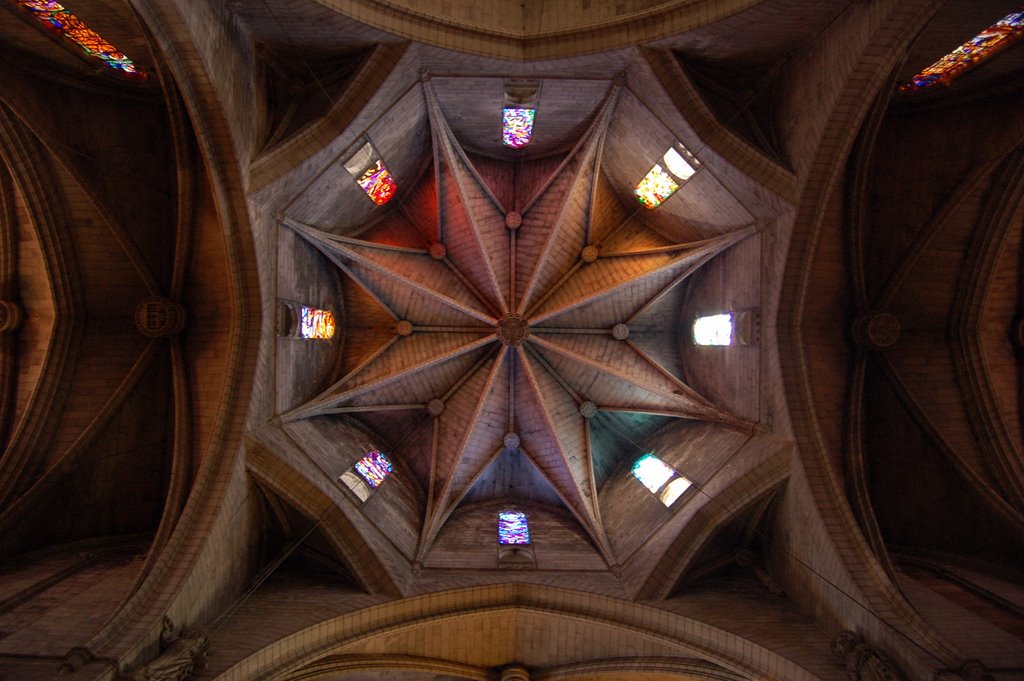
480	307
478	341
930	424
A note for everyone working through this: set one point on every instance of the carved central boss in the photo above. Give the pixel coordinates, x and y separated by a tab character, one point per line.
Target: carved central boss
513	329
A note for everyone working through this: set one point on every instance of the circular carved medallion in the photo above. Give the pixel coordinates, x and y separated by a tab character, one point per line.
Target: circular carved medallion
513	329
876	330
157	317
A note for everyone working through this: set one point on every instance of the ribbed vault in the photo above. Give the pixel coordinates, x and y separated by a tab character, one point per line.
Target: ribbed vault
514	332
531	328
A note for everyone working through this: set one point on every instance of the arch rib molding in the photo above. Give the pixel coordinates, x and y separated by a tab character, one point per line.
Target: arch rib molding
334	667
565	32
310	647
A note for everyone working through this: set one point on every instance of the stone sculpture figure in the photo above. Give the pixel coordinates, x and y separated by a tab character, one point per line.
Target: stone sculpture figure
181	655
865	662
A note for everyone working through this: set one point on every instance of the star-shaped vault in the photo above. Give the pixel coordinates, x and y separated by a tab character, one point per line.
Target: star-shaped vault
490	327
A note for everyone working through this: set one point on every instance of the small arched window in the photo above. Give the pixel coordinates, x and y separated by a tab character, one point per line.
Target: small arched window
676	167
59	20
660	478
513	528
713	329
367	474
517	126
315	323
519	108
978	49
368	170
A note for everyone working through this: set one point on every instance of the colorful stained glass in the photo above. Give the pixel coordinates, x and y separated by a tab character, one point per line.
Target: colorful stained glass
513	528
676	167
652	472
373	467
713	329
656	186
316	323
517	127
378	183
56	17
981	47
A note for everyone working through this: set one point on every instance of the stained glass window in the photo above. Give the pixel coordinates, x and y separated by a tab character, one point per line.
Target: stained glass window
316	323
657	476
513	528
373	468
656	186
57	18
676	167
378	183
518	110
981	47
372	175
713	329
517	126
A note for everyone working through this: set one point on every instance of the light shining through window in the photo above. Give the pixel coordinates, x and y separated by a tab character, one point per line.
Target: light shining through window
652	472
713	330
517	127
978	49
58	19
316	323
674	490
372	176
656	186
513	528
373	467
676	167
660	478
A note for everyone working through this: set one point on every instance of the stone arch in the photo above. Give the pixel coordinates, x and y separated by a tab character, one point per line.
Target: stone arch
536	626
563	30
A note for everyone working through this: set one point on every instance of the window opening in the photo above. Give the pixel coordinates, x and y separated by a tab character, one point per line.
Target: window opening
677	166
713	329
316	324
374	467
367	474
673	490
519	109
660	478
513	528
652	472
58	19
978	49
372	176
517	127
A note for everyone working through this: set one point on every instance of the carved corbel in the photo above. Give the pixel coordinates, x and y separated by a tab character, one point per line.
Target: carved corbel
182	654
865	662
